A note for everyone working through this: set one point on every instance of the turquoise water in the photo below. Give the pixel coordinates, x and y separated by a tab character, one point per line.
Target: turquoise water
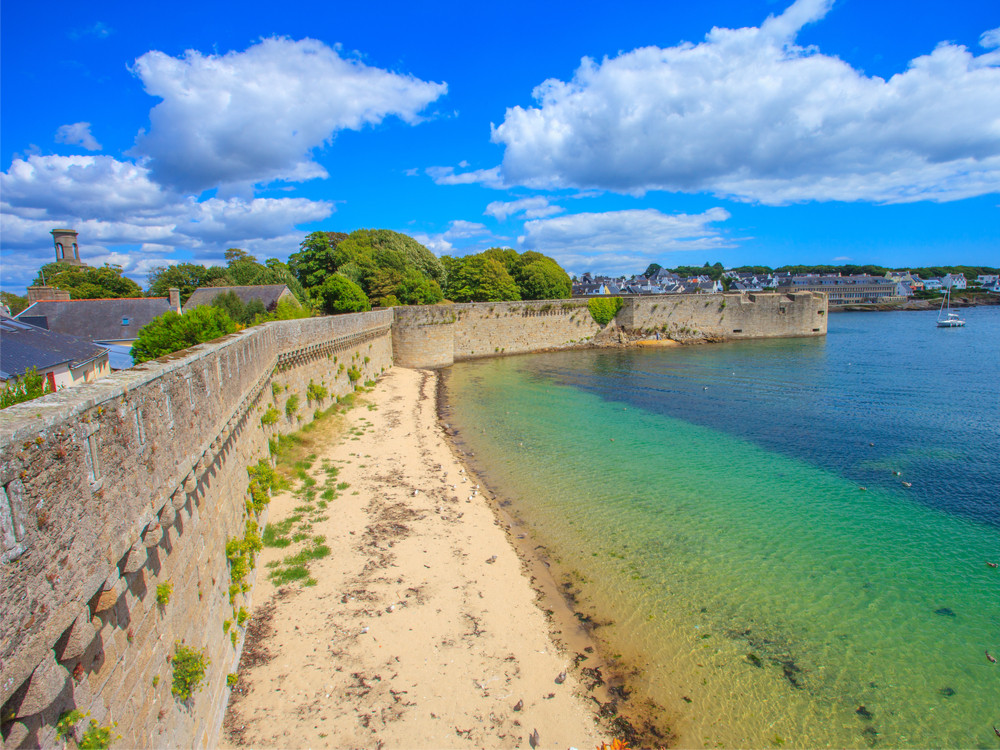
709	502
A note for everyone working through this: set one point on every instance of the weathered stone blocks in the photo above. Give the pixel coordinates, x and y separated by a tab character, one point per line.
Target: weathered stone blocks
107	513
79	636
44	686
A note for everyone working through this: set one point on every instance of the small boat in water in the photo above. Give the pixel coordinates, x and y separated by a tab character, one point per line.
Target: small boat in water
946	318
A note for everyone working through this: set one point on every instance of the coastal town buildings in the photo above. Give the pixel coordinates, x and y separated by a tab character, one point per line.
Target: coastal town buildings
841	289
848	289
954	281
914	282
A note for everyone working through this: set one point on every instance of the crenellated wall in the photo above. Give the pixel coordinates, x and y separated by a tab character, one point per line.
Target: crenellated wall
111	489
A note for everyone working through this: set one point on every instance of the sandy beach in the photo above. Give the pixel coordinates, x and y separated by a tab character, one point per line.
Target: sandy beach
423	628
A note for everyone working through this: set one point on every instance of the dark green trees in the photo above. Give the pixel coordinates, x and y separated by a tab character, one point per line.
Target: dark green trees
480	278
339	294
185	276
171	332
242	269
83	282
385	265
504	274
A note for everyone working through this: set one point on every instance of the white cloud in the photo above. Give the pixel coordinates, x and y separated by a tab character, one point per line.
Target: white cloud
112	203
256	116
98	186
486	177
78	134
532	208
749	114
623	241
843	258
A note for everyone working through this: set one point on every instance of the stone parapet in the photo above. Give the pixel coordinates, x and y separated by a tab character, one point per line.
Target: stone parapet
138	480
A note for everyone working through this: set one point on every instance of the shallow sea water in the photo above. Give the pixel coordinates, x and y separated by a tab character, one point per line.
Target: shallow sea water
708	502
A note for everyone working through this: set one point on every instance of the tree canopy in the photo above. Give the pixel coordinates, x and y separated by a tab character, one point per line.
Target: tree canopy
171	332
480	278
242	269
339	294
84	282
186	277
316	258
382	263
504	274
14	302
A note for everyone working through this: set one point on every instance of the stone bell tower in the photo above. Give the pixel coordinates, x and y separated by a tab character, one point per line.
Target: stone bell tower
67	251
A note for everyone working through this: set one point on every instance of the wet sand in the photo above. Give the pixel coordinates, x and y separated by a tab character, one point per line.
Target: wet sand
424	628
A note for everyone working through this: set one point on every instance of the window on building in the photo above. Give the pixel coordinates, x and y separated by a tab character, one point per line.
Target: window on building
124	321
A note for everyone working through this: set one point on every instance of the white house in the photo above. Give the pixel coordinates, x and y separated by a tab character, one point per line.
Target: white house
954	281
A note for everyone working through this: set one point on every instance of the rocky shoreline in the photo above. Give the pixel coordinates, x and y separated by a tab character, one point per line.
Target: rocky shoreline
919	304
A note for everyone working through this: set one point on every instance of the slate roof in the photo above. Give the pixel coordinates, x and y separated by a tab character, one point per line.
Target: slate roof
96	319
24	346
268	294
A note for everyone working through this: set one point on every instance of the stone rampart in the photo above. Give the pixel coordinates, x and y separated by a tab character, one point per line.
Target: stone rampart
440	336
690	317
111	489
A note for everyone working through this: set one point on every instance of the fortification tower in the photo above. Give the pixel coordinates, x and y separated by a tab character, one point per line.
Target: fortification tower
65	239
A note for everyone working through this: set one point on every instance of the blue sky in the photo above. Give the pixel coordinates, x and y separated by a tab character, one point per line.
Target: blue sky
606	136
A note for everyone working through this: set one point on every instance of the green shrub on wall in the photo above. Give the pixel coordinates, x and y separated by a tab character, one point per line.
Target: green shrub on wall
316	392
189	670
604	309
270	417
163	592
95	737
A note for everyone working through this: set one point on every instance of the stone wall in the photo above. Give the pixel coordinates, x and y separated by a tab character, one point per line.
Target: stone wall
440	336
691	317
424	336
111	489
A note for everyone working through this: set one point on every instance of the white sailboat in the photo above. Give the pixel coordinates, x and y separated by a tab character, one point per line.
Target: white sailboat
947	318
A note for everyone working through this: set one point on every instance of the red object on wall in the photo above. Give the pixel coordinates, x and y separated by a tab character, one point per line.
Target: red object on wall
52	381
